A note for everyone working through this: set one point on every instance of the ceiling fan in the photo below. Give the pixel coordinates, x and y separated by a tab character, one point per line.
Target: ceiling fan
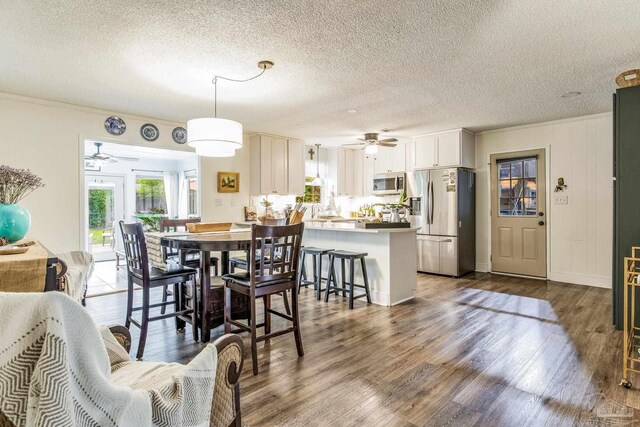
371	142
101	158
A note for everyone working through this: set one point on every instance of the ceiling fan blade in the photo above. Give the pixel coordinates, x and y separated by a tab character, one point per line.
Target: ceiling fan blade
361	139
355	143
389	140
387	144
126	159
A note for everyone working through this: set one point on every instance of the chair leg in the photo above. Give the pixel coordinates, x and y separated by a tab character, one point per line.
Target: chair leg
344	276
319	279
351	280
267	316
144	324
227	309
254	342
330	279
366	280
127	322
215	268
303	272
315	272
285	300
296	323
194	315
178	304
165	290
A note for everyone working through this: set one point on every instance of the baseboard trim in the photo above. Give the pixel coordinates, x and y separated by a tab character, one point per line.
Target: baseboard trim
482	267
581	279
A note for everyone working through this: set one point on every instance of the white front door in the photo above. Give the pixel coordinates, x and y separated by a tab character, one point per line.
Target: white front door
518	214
104	198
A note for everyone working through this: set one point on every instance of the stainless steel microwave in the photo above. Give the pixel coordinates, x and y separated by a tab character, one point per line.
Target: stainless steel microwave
389	183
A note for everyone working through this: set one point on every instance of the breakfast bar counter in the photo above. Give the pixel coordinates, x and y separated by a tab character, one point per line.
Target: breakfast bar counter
391	260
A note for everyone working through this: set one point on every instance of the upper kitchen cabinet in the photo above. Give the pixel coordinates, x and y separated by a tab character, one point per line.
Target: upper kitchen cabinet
277	165
345	171
389	159
454	148
296	161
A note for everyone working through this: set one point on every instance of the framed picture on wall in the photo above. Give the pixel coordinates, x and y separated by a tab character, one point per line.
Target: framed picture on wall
228	182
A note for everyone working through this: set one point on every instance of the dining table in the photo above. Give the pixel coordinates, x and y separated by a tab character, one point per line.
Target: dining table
205	243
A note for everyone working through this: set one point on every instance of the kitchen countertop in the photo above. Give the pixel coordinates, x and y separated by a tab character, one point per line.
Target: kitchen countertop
351	228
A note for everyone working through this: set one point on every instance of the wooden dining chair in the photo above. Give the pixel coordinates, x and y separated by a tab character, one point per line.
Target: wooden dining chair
271	275
139	273
187	258
241	262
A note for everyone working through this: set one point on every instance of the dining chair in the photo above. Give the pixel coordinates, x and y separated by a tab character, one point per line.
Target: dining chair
270	275
187	258
241	262
139	273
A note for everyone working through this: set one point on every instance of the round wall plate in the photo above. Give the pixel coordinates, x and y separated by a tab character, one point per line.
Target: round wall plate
149	132
179	135
115	125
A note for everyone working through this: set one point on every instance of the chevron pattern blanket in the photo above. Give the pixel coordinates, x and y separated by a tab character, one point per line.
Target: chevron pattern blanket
55	371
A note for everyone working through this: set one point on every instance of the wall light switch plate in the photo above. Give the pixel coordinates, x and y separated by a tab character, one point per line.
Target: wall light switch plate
560	199
232	203
218	202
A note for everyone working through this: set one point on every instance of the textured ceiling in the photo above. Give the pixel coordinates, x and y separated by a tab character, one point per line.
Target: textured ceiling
411	66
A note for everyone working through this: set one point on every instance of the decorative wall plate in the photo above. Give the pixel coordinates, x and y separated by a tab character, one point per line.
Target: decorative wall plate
115	125
179	135
149	132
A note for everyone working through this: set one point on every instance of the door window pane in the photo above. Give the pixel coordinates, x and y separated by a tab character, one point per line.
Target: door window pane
504	170
150	196
516	169
517	187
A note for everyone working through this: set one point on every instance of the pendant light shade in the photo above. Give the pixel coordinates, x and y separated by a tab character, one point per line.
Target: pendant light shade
213	137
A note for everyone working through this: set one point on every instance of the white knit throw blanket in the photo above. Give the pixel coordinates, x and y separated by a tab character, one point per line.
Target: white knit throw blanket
55	371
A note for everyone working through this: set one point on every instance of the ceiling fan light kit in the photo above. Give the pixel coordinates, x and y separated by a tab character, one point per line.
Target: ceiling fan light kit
371	149
215	137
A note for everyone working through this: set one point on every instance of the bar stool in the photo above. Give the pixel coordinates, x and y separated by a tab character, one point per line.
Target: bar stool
332	284
317	254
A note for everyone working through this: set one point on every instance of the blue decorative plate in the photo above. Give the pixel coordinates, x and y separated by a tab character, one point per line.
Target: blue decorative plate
179	135
149	132
115	125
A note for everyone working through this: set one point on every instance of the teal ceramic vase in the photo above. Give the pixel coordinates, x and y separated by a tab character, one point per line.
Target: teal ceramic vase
15	222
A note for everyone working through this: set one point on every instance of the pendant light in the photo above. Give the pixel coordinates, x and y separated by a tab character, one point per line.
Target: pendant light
215	137
317	181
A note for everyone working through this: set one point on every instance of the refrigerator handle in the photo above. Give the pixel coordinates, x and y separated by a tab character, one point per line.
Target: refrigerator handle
431	203
397	183
427	203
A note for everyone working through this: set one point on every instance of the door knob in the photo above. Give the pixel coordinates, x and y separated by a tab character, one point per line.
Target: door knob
540	222
540	213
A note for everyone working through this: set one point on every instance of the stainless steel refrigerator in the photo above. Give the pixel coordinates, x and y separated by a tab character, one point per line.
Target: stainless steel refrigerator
443	207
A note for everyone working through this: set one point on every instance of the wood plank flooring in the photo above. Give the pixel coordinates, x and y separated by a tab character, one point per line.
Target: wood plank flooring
484	350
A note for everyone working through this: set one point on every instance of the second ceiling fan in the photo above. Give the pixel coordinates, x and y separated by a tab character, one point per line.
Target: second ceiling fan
370	142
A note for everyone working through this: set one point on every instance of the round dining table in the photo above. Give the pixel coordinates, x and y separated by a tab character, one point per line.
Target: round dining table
205	243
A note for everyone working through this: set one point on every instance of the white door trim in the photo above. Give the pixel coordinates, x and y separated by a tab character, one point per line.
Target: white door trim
547	155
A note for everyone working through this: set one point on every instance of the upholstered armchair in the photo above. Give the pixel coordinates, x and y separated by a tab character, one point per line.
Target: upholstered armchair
225	408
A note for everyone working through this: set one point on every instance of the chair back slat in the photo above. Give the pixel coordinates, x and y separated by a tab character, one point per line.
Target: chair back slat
277	249
135	249
167	225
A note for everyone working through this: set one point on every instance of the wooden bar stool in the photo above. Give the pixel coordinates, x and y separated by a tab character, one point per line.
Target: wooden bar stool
317	254
332	284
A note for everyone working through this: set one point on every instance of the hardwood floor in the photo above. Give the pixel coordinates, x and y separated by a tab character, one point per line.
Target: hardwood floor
482	350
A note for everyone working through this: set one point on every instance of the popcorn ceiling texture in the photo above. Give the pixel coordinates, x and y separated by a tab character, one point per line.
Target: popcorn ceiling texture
411	66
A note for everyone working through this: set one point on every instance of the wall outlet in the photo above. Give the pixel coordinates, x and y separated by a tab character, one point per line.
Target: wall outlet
560	199
218	202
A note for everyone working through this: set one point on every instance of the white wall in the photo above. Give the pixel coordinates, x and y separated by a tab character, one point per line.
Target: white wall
45	137
579	234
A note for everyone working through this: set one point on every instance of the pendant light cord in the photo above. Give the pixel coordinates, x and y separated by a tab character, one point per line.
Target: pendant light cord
215	86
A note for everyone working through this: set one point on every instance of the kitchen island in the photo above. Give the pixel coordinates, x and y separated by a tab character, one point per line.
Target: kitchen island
391	260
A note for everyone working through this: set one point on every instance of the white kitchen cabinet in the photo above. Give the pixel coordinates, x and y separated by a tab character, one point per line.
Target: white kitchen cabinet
277	165
454	148
367	174
296	162
390	159
341	172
